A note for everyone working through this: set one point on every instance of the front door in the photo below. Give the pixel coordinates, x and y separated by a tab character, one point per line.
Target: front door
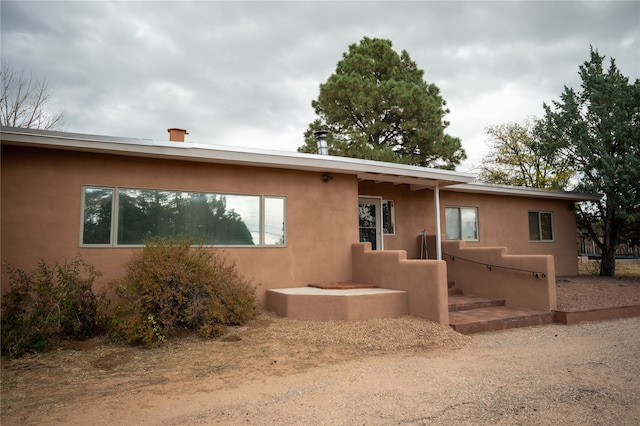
370	221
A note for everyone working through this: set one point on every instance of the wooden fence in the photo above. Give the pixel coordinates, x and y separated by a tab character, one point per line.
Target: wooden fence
587	246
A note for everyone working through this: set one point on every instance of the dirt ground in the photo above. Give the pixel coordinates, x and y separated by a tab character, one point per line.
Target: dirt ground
280	371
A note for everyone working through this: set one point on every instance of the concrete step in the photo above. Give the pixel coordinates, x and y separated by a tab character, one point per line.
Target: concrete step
460	302
497	318
350	304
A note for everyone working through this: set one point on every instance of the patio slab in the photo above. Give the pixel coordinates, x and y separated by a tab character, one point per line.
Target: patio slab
311	303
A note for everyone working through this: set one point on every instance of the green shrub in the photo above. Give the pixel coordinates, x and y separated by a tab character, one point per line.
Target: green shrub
47	305
169	285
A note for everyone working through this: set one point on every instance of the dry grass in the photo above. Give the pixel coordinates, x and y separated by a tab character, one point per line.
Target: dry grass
625	268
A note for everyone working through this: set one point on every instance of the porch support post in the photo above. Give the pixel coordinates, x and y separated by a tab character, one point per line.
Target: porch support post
436	196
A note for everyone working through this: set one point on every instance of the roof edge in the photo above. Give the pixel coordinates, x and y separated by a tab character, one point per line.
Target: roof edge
228	154
521	191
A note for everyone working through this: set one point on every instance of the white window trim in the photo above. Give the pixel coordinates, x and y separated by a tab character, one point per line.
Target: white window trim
460	223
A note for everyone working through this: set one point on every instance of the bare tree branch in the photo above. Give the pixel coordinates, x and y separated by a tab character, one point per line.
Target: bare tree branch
23	102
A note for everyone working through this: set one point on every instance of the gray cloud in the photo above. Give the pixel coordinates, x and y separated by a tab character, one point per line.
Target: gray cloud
244	73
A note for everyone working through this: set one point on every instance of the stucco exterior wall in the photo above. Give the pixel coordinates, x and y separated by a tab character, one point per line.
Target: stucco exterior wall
535	289
41	193
503	222
41	212
413	210
425	281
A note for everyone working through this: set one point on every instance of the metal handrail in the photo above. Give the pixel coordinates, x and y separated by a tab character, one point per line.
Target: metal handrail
490	266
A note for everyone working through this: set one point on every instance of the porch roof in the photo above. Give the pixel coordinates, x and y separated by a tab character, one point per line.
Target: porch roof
417	177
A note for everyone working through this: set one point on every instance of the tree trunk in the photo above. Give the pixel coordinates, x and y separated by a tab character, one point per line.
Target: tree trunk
610	240
608	263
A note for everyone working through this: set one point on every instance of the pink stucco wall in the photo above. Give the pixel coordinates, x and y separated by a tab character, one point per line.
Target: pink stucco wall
535	289
414	212
425	281
503	222
41	212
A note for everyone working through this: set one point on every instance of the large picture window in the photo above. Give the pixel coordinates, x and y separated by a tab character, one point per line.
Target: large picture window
128	216
540	226
461	223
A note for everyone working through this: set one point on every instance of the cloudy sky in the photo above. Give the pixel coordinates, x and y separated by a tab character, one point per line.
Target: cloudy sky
245	73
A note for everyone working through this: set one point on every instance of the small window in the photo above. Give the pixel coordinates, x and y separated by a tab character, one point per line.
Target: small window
274	221
388	217
461	223
540	226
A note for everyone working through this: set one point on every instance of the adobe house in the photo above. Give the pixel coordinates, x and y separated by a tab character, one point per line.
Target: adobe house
395	236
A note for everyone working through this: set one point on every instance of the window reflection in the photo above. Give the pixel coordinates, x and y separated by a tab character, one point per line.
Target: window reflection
540	226
461	223
273	221
452	220
97	216
207	218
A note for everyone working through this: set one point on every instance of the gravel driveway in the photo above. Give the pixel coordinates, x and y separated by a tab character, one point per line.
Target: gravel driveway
381	372
584	375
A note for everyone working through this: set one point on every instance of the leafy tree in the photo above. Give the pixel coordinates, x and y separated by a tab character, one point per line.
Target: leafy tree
378	106
599	128
23	102
517	157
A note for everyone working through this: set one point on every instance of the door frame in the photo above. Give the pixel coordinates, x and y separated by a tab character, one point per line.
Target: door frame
377	201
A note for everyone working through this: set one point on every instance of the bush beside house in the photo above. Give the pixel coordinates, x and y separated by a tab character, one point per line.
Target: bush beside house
52	303
169	285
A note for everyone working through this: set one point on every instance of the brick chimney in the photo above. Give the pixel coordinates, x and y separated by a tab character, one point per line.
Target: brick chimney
176	135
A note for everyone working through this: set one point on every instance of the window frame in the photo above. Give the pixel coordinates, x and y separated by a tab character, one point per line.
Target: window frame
115	208
540	233
263	220
392	216
459	209
82	216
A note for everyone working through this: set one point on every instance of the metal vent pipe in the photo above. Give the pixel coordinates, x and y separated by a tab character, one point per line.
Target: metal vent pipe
321	140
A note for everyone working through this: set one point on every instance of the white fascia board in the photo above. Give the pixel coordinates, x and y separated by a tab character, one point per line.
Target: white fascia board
484	188
363	169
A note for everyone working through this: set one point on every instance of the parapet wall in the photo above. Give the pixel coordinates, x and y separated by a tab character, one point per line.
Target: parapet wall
425	281
527	281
